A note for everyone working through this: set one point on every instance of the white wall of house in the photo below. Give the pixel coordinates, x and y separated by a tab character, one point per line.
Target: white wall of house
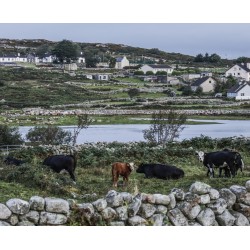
237	71
207	86
242	94
146	68
123	63
102	77
81	59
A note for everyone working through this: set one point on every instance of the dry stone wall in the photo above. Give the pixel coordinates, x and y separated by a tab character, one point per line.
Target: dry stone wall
202	205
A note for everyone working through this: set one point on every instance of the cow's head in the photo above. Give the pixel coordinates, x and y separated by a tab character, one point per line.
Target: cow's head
239	164
200	155
131	166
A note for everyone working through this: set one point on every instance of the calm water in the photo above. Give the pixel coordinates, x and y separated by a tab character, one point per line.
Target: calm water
128	133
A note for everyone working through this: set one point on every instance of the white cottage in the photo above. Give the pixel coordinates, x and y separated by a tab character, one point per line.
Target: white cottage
240	91
240	70
121	62
156	68
206	83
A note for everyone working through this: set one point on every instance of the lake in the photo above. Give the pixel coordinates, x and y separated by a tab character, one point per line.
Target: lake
129	133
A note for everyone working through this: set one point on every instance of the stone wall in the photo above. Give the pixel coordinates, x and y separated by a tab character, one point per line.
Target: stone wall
202	205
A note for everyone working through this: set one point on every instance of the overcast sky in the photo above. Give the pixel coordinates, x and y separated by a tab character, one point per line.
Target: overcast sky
227	40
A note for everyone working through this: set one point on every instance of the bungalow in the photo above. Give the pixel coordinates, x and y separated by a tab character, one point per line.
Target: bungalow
240	70
12	58
102	77
156	68
206	83
240	91
121	62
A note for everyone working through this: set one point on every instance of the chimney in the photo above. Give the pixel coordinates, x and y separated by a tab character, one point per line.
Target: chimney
248	65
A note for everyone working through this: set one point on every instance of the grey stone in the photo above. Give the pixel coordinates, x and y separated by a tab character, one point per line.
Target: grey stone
18	206
5	213
56	205
114	199
247	185
193	223
109	214
240	219
134	206
47	218
238	191
205	199
25	223
242	208
178	193
13	219
245	199
157	219
206	217
88	211
172	202
37	203
122	213
225	219
100	204
200	188
219	206
32	216
193	199
161	199
214	194
4	223
190	211
228	196
117	223
161	209
137	221
177	218
147	210
127	197
148	198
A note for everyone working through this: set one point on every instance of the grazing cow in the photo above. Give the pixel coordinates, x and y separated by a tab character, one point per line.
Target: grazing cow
230	161
121	169
9	160
62	162
160	171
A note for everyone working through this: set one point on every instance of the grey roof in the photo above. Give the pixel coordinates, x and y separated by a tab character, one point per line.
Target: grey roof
243	66
237	87
119	59
199	81
159	66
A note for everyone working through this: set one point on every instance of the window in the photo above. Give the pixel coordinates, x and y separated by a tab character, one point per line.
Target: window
238	74
239	68
242	94
210	81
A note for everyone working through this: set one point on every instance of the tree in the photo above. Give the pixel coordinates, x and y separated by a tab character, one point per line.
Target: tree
199	91
66	51
165	127
83	123
186	91
91	61
49	135
43	49
112	62
149	73
199	58
138	73
10	135
214	58
133	92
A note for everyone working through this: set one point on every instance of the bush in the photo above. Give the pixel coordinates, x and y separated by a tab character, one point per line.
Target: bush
10	135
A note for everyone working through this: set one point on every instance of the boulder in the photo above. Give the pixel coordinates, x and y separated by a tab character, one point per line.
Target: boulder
247	185
214	194
206	217
240	219
137	221
238	191
5	213
219	206
47	218
134	206
18	206
37	203
109	214
122	213
188	210
157	219
178	193
114	199
225	219
161	199
56	205
100	204
147	210
228	196
205	199
177	218
199	188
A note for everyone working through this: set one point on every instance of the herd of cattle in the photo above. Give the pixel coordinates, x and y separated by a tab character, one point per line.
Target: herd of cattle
226	160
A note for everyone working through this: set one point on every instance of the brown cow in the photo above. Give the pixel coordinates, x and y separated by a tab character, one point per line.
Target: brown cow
121	168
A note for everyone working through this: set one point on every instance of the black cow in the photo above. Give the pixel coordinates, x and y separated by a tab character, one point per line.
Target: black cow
62	162
9	160
160	171
230	161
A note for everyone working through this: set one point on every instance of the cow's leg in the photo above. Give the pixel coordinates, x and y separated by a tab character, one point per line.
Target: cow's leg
210	170
115	179
72	175
125	180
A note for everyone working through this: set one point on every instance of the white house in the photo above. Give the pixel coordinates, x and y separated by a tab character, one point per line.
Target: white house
12	58
206	83
121	62
156	68
240	91
102	77
240	70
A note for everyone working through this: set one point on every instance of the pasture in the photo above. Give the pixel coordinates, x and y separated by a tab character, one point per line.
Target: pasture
93	172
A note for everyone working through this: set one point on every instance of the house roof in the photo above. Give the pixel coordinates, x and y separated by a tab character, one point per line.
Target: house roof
159	66
119	59
237	87
243	66
199	81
